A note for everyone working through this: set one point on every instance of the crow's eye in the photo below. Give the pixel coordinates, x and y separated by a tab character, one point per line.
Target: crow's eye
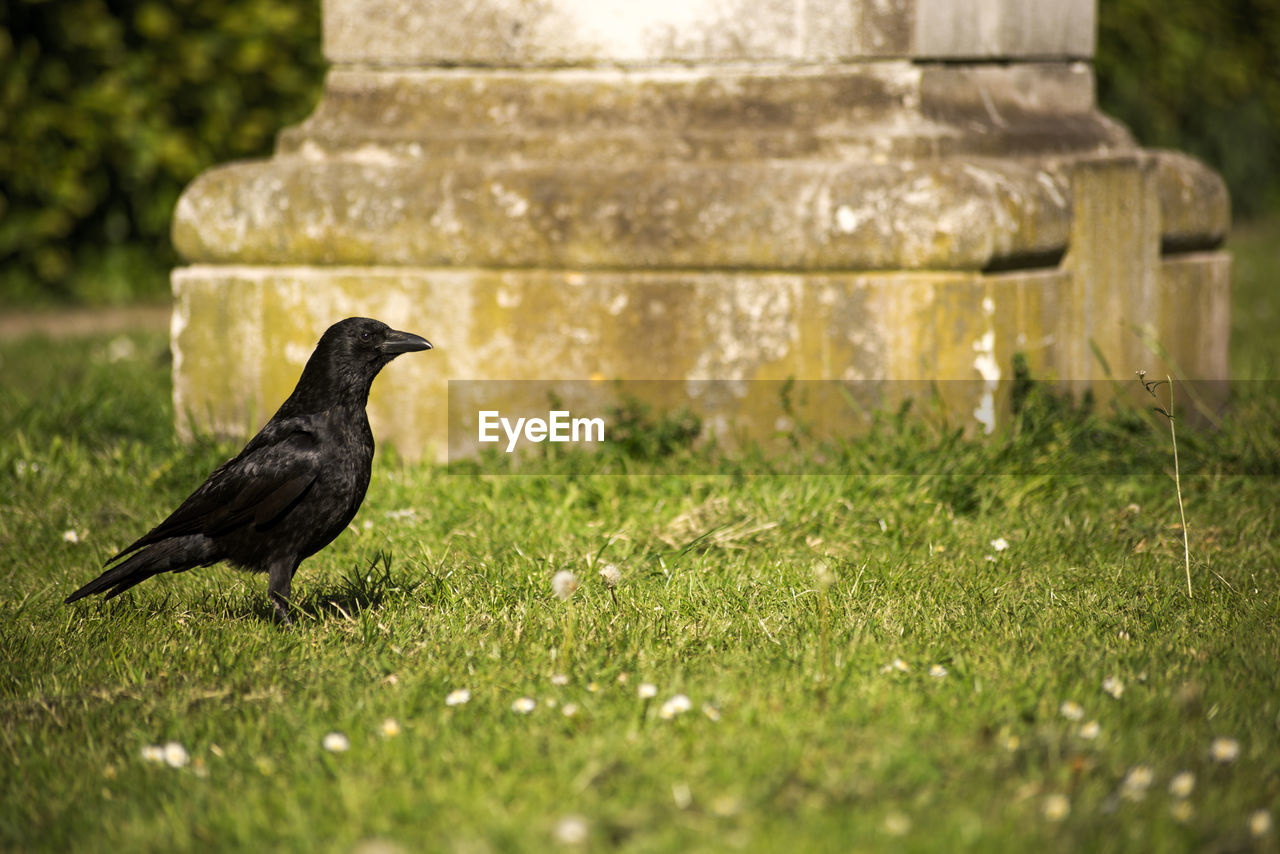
365	336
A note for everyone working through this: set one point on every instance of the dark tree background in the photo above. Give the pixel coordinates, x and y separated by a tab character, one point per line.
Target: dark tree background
109	107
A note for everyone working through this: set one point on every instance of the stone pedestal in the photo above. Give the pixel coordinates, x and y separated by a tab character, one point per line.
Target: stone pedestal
714	189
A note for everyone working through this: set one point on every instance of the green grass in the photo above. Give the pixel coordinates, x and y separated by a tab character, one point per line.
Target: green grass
722	599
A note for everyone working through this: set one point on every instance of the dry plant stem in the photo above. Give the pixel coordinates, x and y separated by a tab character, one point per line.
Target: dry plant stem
1167	412
1177	483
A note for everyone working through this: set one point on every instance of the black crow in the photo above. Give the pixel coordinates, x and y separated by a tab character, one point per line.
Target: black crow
293	488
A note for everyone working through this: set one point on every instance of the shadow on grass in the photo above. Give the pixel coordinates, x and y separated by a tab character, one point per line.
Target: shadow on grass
357	591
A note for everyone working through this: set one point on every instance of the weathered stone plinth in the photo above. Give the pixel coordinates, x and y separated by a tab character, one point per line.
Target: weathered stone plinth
549	194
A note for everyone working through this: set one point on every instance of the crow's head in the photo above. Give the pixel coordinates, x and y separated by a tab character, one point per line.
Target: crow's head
368	342
348	357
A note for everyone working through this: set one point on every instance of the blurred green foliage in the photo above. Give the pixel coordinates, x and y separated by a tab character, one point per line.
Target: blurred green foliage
109	107
1202	78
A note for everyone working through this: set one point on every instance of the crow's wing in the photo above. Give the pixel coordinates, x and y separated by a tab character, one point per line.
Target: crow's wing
257	487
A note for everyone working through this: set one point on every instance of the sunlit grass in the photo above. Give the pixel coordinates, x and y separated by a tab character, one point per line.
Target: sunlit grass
835	662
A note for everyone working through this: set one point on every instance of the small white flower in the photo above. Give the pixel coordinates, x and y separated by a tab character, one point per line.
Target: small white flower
569	709
1181	810
999	544
712	713
1056	807
336	742
1224	750
1136	782
458	697
622	678
1113	686
175	755
70	536
153	753
610	575
1071	710
407	514
571	830
559	679
897	664
897	824
1182	784
390	728
1260	823
677	705
524	705
564	583
937	671
592	687
1090	731
646	690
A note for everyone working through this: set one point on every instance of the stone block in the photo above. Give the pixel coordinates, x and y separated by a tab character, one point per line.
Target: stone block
242	334
506	33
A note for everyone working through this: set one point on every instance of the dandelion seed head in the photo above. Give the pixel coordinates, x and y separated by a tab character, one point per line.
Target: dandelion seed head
1113	686
646	690
1182	784
823	575
1071	710
1056	807
336	742
524	705
120	348
564	583
610	575
1224	750
457	697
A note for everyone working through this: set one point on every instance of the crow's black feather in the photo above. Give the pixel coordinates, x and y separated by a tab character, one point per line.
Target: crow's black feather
293	488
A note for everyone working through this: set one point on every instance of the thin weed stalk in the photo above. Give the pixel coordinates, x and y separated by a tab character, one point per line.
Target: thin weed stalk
1167	412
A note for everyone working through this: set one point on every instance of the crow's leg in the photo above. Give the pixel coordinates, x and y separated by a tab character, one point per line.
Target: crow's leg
279	583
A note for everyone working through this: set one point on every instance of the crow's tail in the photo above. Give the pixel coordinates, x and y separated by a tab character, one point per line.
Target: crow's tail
172	555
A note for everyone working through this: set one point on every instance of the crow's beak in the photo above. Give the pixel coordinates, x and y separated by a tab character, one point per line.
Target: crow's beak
403	342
